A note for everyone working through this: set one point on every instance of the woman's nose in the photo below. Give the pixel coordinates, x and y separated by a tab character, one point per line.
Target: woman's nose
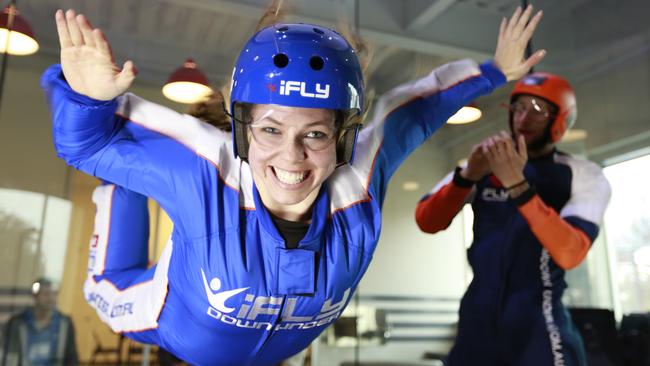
294	148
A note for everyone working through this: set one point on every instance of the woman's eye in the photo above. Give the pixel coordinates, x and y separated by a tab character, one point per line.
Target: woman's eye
316	135
270	130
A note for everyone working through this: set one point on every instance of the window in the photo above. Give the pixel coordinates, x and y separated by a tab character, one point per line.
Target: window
627	230
34	232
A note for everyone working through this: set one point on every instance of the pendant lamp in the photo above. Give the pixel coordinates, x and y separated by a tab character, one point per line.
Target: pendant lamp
187	84
467	114
21	37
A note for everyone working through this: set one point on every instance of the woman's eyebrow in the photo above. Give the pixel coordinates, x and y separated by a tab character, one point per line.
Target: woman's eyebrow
325	123
310	124
269	119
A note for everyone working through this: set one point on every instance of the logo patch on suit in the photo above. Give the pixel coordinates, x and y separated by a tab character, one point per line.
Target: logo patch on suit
491	194
218	299
257	312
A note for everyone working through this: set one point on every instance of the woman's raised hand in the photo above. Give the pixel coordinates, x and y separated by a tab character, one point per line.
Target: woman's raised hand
87	59
514	34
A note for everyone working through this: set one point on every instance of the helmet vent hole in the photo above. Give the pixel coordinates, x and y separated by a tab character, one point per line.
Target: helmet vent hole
284	28
281	60
316	62
319	31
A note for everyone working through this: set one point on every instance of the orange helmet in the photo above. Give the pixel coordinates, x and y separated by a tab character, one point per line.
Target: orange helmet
555	90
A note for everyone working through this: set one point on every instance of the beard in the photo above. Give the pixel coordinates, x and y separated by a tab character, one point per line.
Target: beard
537	144
541	142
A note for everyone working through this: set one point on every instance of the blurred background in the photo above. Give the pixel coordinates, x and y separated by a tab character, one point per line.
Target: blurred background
405	309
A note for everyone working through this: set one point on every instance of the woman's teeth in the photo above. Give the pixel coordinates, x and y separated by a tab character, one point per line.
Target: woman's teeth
288	177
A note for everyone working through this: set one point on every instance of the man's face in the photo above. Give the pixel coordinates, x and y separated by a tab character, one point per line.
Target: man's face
531	117
292	152
45	297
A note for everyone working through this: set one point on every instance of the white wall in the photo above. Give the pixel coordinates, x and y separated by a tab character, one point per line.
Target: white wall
407	261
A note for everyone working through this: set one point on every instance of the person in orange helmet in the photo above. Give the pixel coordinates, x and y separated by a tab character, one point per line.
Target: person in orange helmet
537	212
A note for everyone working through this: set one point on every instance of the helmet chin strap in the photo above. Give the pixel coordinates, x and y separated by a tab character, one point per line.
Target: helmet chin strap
345	148
240	133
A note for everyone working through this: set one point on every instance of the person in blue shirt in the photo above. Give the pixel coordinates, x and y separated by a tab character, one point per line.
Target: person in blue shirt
274	223
40	335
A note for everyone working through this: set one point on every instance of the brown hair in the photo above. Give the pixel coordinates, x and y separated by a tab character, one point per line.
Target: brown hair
365	52
274	13
212	111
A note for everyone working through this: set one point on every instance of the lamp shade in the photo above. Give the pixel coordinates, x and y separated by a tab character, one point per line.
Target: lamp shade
21	37
187	84
467	114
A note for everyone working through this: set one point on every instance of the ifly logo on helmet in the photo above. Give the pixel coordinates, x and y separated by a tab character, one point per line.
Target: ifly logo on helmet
289	86
534	80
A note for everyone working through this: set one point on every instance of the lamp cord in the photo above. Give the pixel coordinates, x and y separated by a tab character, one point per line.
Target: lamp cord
5	54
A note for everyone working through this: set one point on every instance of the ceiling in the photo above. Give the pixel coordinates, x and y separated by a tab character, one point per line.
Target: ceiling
584	38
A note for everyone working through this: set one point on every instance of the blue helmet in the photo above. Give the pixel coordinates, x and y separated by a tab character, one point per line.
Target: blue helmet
297	65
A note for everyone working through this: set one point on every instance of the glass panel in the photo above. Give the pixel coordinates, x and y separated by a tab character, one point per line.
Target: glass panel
55	236
21	214
628	231
590	283
34	232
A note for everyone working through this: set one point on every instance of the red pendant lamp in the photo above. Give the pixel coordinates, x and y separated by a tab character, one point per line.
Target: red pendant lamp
467	114
16	36
187	84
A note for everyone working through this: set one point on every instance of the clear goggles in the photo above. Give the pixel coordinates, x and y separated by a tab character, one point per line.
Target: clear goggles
270	131
536	109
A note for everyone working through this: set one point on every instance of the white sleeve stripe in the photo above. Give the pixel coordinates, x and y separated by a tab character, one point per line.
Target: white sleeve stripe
141	298
590	190
205	140
103	198
446	180
344	192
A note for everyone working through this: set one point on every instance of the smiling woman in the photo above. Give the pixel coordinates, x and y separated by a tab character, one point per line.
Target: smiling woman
291	154
274	224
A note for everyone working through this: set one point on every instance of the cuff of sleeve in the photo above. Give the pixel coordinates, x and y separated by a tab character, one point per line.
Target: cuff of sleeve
460	181
53	78
525	196
490	70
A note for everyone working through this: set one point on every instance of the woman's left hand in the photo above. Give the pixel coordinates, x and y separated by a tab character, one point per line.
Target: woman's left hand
514	34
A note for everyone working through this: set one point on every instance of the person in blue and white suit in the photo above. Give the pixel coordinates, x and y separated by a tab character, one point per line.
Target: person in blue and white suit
274	224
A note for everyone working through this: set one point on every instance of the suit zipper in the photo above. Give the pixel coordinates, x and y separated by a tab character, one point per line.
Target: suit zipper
270	334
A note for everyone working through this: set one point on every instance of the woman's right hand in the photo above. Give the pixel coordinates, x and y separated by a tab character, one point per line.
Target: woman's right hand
87	60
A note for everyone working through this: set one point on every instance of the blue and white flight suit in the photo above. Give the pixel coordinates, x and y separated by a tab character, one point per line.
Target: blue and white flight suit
226	291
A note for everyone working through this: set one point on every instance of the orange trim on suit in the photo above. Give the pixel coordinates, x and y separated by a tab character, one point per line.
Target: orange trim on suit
566	244
436	212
